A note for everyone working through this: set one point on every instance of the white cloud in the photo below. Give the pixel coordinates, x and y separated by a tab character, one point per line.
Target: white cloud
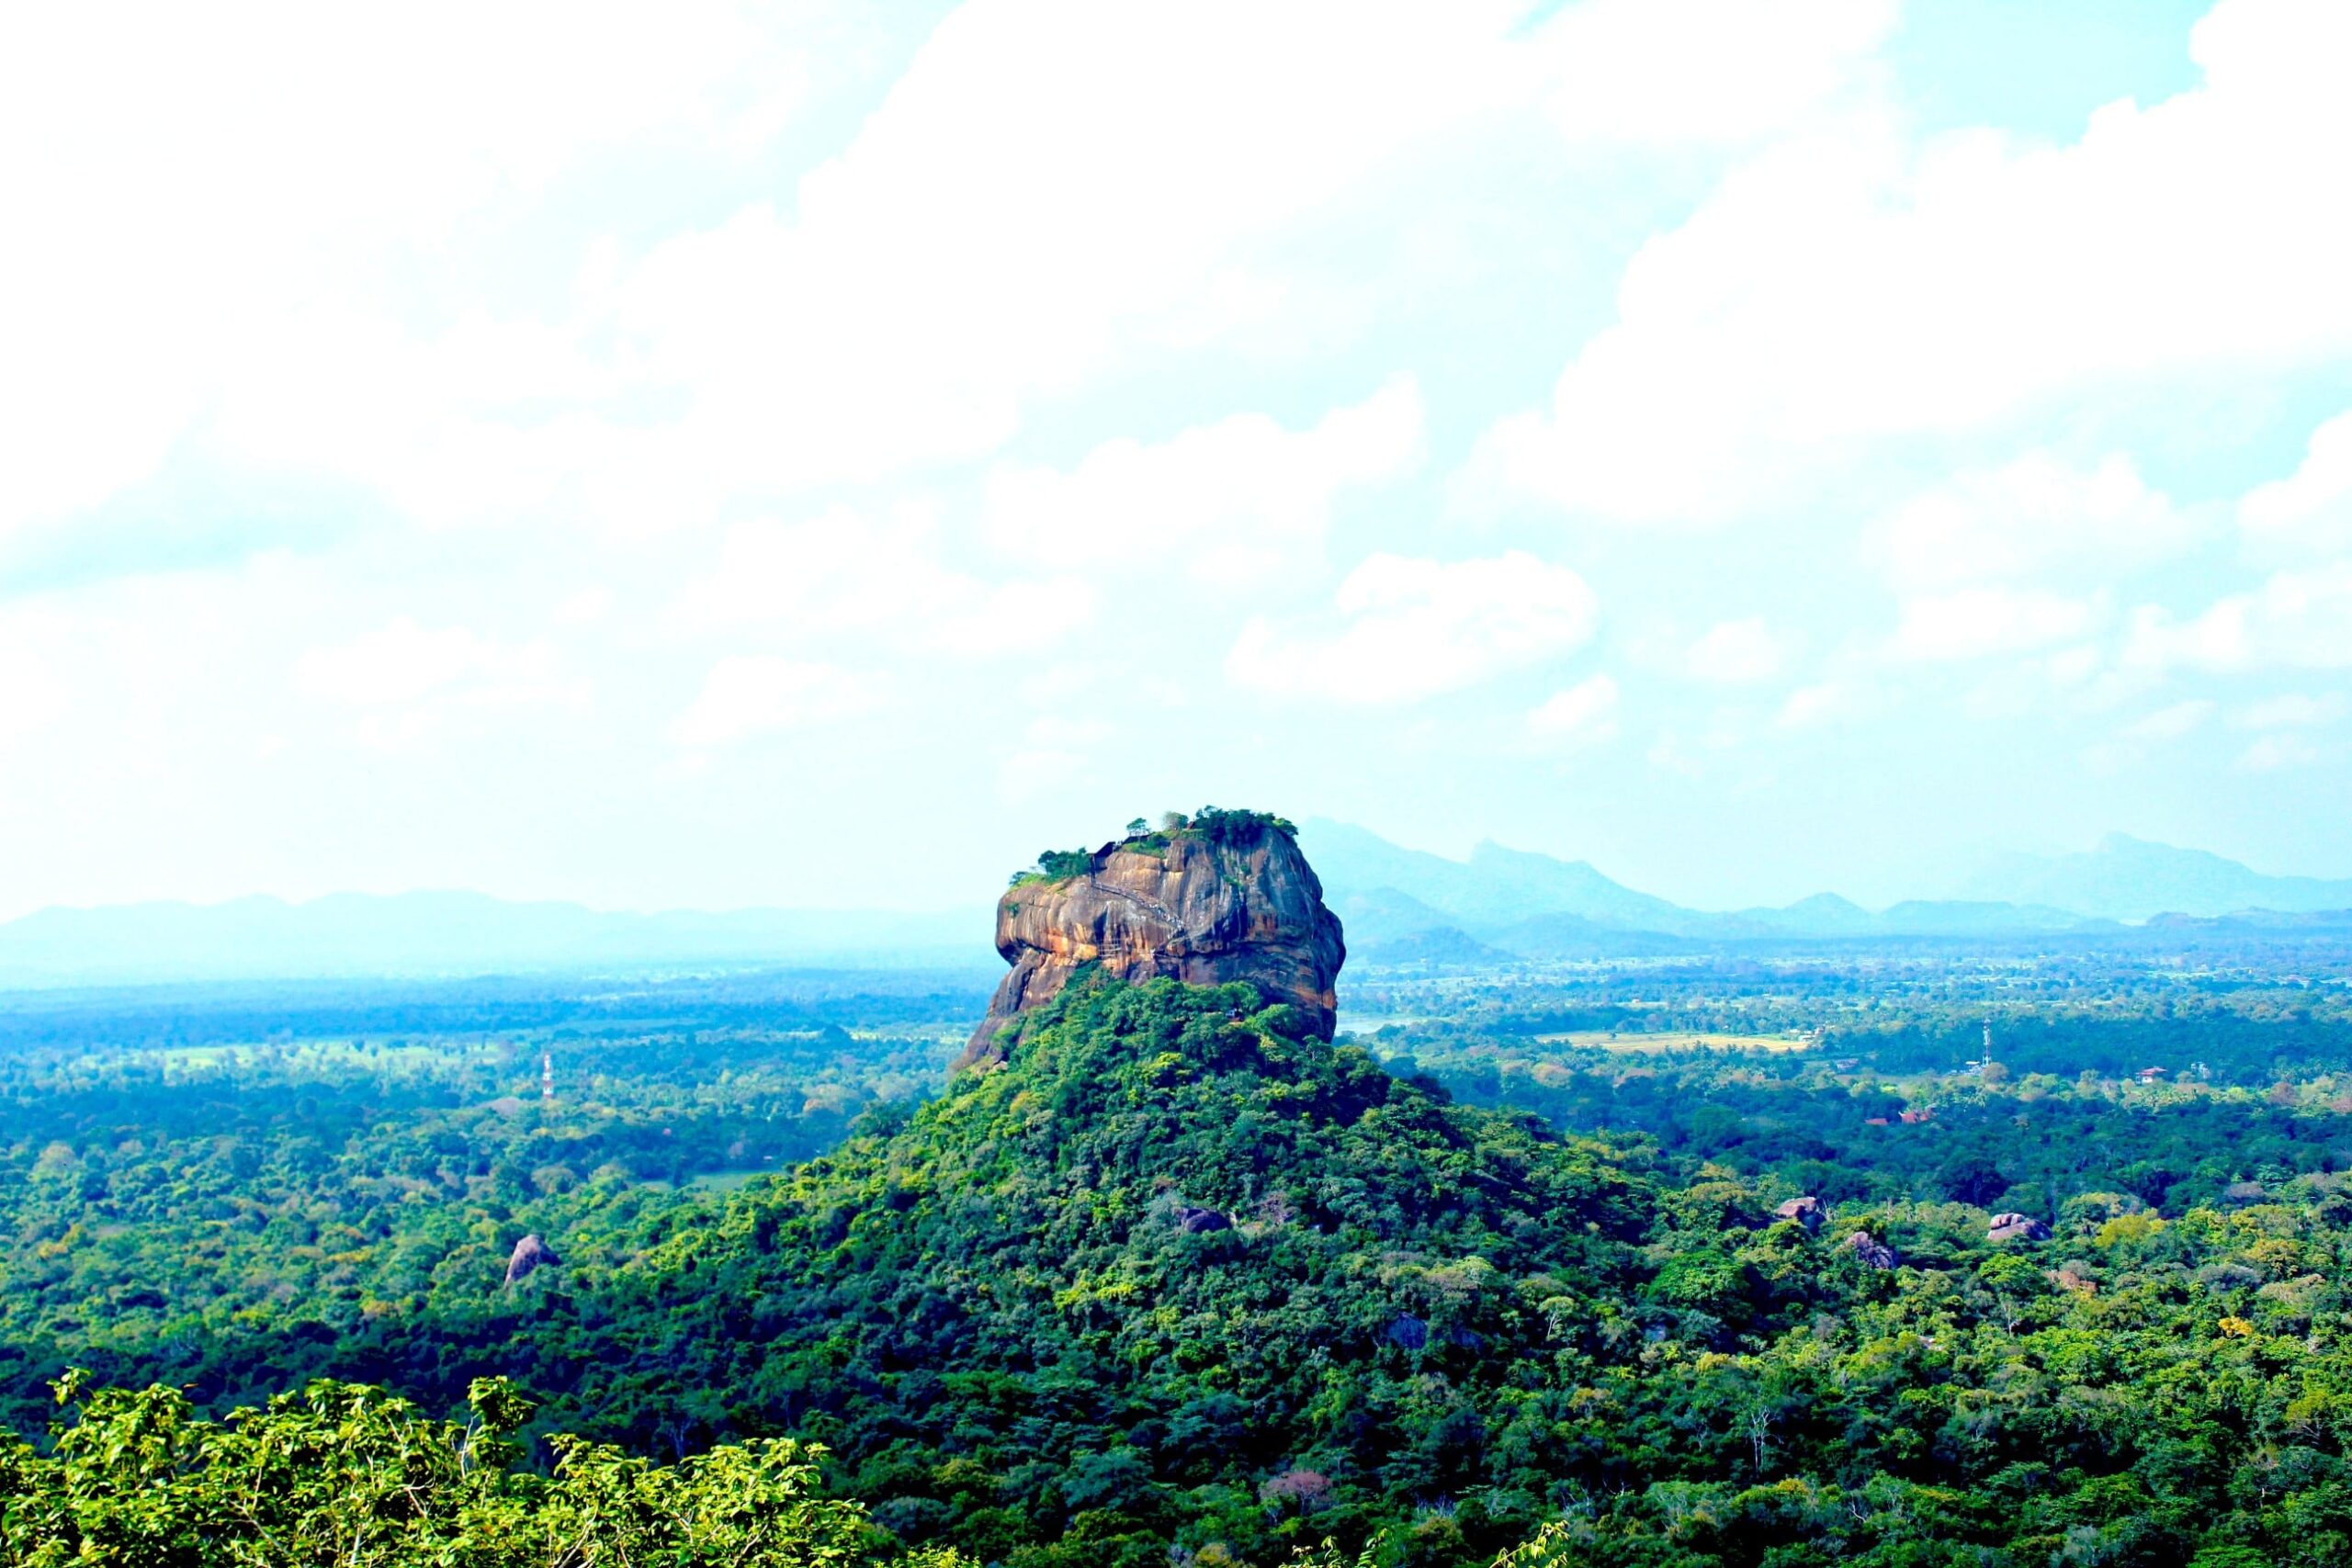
1056	752
2290	710
1823	702
2271	752
402	661
904	303
248	696
1416	627
1736	652
2311	508
586	607
1224	501
747	695
2025	519
1586	711
847	571
2172	723
1028	775
188	185
1847	287
2295	620
1671	72
413	682
2074	667
399	321
966	256
484	423
1673	754
1975	622
969	253
30	697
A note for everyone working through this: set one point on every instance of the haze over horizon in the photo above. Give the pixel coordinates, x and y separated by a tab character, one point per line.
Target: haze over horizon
774	459
1982	884
1400	905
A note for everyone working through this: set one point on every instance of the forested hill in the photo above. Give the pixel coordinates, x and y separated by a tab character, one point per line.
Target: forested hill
1176	1260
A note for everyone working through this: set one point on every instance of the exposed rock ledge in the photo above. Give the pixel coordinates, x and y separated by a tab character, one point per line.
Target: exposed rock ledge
1206	905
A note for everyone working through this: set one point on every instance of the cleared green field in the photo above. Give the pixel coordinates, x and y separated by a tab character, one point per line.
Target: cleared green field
1690	1039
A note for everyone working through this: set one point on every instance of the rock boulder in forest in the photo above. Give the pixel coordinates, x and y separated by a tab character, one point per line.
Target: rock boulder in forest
2016	1227
1874	1253
530	1255
1808	1211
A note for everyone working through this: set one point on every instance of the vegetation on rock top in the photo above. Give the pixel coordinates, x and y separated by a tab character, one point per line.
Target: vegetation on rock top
1209	824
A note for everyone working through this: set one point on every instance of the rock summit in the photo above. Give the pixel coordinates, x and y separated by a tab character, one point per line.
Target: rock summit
1208	900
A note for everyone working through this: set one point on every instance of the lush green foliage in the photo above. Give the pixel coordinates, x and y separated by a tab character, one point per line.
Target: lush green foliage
1209	824
1113	1294
219	1214
1176	1285
1054	864
1443	1323
1219	825
343	1475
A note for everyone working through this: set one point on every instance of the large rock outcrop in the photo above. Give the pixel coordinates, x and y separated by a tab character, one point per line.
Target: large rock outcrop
529	1257
1808	1211
1232	898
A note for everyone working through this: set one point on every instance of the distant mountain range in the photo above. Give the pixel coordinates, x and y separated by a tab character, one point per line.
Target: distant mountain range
1400	905
1406	905
2130	879
458	934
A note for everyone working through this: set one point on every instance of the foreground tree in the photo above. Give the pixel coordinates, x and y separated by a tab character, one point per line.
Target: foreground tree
345	1474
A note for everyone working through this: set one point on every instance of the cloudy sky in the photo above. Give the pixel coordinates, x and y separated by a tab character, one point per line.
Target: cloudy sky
823	454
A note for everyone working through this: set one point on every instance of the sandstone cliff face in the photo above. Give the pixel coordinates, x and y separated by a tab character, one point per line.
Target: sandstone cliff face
1200	908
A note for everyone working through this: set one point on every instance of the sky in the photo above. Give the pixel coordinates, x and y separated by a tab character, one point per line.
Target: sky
820	455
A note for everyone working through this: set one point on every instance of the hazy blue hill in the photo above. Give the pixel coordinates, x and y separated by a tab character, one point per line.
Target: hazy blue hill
2130	879
1959	917
1376	919
1824	914
1566	936
1447	947
444	934
1352	861
1376	916
1520	883
1534	906
2292	923
1496	886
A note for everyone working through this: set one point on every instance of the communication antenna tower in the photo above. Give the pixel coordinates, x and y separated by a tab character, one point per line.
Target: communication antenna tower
547	1075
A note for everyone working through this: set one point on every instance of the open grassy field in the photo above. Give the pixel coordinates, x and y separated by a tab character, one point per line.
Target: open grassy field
1676	1040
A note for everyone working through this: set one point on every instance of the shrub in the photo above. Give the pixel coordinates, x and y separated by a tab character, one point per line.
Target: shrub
1059	864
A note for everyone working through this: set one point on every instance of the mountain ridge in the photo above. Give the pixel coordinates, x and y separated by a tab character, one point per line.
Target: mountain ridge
1542	906
2126	878
1400	905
